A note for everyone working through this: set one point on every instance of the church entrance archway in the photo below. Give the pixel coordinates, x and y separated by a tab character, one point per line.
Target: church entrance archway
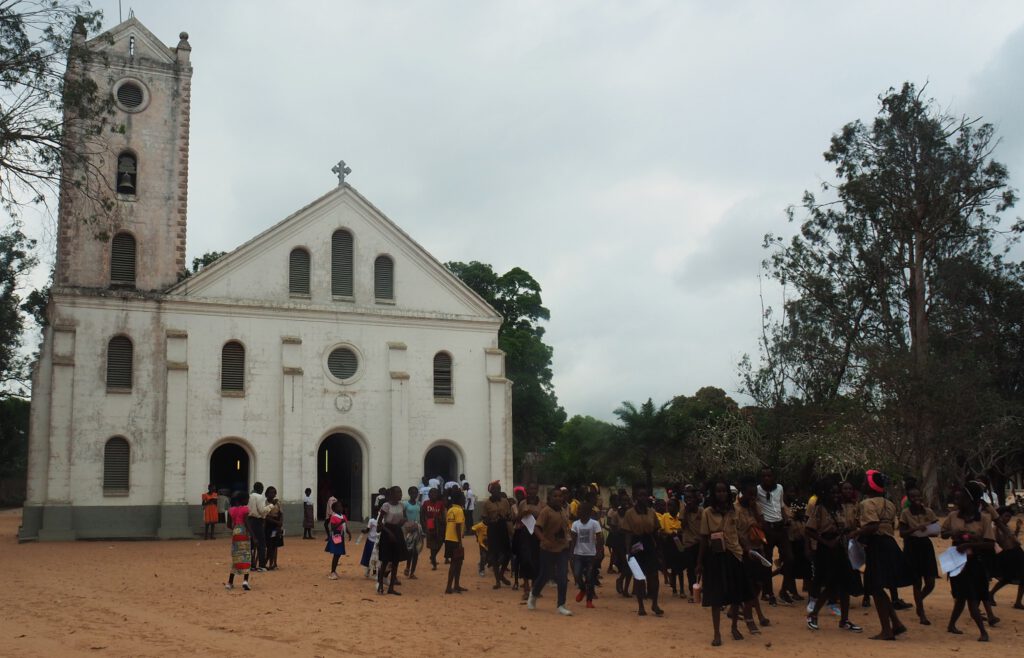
229	468
339	473
441	461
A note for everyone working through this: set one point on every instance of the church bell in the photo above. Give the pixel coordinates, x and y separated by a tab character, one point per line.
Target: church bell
125	185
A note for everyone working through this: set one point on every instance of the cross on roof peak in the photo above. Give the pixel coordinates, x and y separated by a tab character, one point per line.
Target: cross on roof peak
341	170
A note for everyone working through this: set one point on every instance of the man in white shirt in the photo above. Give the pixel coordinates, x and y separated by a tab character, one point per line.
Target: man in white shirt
258	509
771	508
470	505
424	490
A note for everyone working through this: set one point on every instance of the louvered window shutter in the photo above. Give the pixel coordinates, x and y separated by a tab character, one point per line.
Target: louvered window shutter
384	278
341	264
343	363
442	375
119	362
122	260
232	367
298	272
116	465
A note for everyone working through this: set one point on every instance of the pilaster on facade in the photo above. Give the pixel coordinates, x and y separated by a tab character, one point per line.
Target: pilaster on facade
296	469
57	522
174	506
398	366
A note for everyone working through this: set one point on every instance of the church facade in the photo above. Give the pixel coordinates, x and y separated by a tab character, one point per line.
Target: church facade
330	351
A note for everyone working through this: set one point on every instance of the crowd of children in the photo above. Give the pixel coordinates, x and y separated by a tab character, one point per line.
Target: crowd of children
714	544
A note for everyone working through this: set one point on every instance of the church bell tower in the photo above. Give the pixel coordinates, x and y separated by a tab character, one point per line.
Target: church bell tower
124	192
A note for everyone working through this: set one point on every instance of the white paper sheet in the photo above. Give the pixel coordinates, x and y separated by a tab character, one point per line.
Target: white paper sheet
933	530
952	561
762	559
634	566
529	523
856	552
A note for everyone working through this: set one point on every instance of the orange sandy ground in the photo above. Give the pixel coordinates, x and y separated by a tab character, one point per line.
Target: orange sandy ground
166	598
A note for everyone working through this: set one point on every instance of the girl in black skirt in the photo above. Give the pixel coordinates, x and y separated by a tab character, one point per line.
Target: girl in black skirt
690	518
640	536
972	533
834	578
1010	561
883	568
916	522
526	545
720	562
391	540
759	574
617	542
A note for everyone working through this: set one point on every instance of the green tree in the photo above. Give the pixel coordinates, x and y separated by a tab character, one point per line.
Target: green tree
536	414
14	418
915	191
37	40
16	260
582	452
645	436
200	263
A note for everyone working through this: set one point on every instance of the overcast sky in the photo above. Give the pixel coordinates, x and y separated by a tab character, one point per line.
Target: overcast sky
630	155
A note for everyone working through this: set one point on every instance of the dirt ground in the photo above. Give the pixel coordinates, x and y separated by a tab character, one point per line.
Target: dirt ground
167	598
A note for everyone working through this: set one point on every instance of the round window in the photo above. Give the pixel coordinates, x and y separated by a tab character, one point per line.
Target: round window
343	363
131	96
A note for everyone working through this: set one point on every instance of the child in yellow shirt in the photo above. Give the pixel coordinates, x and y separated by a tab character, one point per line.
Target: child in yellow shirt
480	530
455	524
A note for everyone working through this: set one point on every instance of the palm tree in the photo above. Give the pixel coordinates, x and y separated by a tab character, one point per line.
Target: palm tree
645	434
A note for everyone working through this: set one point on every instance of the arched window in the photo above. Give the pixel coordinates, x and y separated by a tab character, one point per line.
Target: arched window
341	263
127	173
120	355
443	376
298	272
122	260
384	278
232	367
116	465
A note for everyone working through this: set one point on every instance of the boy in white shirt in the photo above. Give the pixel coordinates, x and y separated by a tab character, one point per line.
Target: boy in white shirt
587	543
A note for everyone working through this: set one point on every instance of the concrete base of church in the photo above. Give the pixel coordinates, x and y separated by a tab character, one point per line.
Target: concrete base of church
58	523
31	521
174	522
67	522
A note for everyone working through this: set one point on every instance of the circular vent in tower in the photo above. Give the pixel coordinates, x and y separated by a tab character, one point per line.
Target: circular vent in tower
131	96
343	363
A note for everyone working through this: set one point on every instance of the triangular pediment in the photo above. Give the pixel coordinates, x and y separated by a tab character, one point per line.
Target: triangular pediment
147	45
258	270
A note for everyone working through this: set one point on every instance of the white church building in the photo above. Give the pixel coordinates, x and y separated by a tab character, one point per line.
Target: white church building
330	351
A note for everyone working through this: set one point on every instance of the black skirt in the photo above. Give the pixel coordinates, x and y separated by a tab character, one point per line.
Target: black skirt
1010	565
672	556
801	562
919	555
648	557
971	584
690	556
724	581
884	566
833	573
390	549
758	575
499	546
527	551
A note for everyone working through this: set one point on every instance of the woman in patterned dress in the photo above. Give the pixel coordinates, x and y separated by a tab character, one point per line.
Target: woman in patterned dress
241	553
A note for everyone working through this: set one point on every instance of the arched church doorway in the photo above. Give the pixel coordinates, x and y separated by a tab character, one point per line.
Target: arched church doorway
441	461
339	473
229	468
